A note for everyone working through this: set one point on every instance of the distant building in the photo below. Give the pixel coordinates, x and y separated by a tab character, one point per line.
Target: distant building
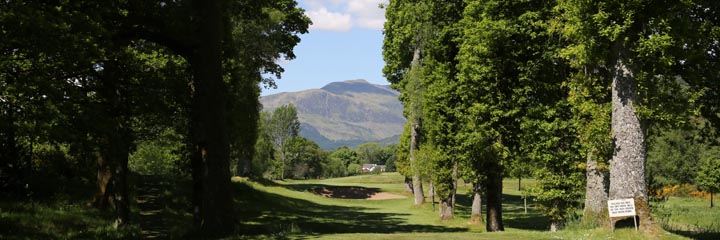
371	167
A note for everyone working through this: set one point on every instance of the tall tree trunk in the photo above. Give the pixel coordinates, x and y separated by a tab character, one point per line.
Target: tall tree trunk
417	181
102	198
447	203
196	164
415	127
627	167
116	140
711	200
408	185
519	183
120	150
446	208
209	122
476	210
454	183
282	161
494	221
432	195
596	192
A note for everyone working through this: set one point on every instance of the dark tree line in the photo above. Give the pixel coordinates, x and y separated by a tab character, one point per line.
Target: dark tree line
94	77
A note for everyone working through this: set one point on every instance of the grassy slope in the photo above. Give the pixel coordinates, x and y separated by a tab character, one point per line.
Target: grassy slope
287	209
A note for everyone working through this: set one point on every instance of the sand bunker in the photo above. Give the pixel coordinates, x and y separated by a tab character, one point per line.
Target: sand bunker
354	193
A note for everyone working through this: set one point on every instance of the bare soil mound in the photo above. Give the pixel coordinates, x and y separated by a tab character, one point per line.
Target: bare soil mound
354	193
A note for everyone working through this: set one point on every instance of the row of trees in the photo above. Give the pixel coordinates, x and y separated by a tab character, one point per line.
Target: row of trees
281	153
571	88
81	82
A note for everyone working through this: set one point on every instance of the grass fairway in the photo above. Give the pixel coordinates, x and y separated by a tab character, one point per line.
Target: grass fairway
288	209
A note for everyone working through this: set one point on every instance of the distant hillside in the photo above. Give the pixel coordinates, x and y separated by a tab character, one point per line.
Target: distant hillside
345	113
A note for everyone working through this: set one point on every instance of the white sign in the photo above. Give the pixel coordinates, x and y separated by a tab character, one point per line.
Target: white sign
621	207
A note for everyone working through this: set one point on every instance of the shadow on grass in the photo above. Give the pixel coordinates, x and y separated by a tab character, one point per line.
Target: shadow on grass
264	213
696	235
163	207
514	215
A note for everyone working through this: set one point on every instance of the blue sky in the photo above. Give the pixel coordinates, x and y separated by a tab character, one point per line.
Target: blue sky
344	43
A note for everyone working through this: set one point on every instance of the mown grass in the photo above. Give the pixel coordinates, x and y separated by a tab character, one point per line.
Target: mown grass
288	210
689	217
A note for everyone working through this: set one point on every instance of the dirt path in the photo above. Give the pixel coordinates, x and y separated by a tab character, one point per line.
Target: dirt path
152	220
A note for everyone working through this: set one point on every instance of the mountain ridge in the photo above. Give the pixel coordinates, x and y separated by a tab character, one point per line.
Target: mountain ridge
346	113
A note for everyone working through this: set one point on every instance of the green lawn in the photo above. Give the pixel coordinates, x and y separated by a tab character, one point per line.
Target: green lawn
689	217
287	209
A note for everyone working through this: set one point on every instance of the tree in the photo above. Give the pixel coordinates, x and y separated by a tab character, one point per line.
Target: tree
347	155
673	156
440	105
370	152
405	36
94	49
264	157
636	49
389	157
497	78
282	128
304	158
708	178
522	168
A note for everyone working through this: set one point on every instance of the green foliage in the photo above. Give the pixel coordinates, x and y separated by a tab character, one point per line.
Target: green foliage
402	164
347	155
264	162
389	157
370	152
305	158
282	126
334	167
673	158
708	178
160	156
675	153
353	169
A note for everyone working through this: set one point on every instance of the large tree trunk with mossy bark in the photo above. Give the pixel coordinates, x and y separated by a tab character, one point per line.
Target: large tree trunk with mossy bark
415	127
627	167
211	163
596	192
494	221
476	209
446	208
416	180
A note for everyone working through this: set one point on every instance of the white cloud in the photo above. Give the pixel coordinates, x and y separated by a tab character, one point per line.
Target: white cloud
367	13
343	15
331	21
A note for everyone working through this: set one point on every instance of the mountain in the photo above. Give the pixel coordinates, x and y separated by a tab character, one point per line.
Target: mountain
346	113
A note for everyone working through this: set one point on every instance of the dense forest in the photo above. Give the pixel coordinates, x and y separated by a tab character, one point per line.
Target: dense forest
595	100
